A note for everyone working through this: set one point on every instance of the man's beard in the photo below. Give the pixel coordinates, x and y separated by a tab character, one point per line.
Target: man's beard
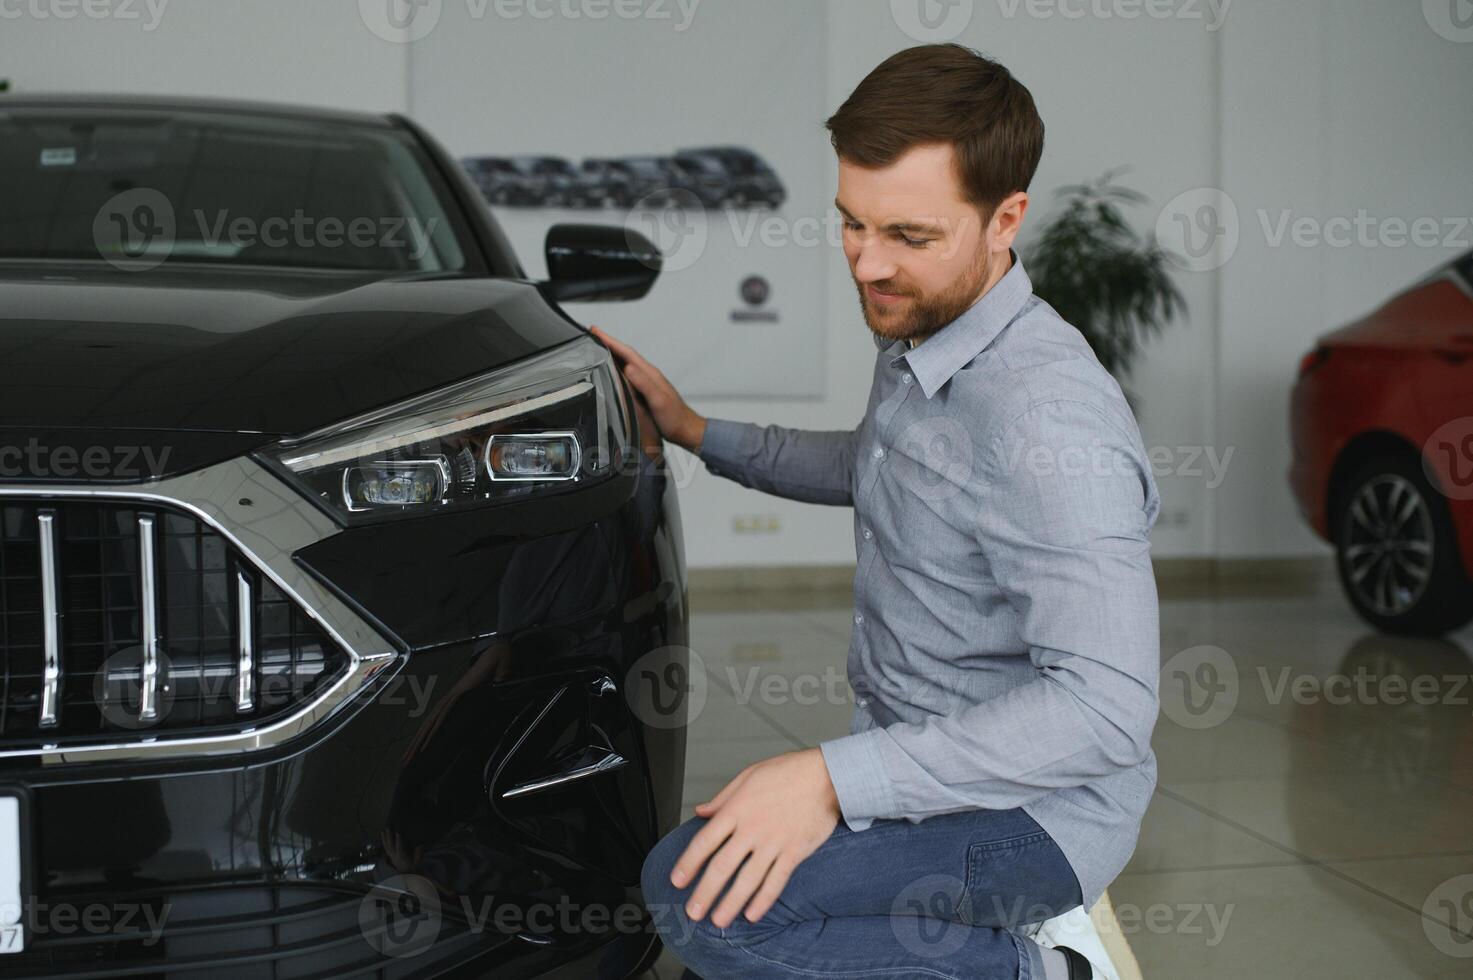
924	315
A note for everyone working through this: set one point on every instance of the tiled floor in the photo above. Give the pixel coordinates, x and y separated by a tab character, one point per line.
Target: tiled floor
1321	828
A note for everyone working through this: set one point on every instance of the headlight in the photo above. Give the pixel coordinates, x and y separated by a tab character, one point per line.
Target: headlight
543	425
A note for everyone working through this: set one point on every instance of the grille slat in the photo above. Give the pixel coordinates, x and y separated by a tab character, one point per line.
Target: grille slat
148	692
121	620
50	620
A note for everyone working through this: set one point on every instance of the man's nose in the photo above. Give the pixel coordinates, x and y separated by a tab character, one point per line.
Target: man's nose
873	265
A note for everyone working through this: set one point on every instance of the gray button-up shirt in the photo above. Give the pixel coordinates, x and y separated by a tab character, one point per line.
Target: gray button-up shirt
1005	649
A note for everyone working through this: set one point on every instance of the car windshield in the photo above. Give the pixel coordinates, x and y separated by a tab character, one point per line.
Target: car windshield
234	188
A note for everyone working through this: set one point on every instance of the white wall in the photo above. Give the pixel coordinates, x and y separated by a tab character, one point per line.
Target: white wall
280	50
1314	107
1328	108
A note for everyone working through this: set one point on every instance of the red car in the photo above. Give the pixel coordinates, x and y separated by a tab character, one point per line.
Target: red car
1382	422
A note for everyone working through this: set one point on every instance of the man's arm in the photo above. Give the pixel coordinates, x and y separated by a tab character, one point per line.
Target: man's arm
1063	512
816	467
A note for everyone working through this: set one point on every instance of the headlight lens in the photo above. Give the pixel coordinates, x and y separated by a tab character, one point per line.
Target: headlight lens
548	423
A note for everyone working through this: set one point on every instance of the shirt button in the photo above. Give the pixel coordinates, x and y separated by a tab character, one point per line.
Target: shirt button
906	377
859	619
878	453
862	702
868	533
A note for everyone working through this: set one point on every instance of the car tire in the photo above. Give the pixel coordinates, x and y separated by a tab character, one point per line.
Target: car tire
1397	550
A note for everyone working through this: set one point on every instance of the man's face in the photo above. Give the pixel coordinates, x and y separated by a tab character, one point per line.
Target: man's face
916	247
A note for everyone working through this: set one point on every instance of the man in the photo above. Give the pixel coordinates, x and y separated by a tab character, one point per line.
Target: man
1005	646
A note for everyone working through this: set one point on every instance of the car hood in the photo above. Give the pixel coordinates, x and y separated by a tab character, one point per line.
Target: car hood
211	362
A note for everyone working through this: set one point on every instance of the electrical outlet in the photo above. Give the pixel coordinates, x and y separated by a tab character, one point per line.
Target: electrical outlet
756	524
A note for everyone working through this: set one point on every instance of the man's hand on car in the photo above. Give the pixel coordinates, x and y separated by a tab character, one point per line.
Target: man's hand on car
675	420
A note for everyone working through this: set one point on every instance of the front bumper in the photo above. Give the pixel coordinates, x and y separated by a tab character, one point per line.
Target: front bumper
493	652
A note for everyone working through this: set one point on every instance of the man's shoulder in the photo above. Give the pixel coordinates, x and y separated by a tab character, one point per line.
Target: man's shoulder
1038	359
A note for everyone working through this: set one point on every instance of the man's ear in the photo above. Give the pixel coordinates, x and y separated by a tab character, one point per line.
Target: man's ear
1006	221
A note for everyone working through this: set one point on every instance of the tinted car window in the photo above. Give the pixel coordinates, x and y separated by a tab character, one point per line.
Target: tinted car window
236	189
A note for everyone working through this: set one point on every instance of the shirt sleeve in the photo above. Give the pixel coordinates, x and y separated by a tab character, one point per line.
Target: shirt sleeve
816	467
1063	501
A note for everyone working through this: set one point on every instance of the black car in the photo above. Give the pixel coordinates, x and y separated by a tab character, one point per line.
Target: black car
343	622
746	177
657	182
502	182
606	182
527	181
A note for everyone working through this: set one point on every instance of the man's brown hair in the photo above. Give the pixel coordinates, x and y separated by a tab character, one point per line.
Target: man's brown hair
945	93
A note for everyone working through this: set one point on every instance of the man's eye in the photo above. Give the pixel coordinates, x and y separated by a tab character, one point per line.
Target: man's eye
853	226
915	242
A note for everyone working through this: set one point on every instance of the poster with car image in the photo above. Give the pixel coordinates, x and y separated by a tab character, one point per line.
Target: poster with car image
730	177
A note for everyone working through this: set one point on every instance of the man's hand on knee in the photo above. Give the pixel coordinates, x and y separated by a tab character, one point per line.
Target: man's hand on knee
772	815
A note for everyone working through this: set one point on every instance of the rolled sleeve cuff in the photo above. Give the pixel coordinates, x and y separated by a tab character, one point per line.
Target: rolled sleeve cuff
721	446
859	779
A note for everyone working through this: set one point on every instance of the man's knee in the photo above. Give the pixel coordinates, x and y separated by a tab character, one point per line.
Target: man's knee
666	902
654	877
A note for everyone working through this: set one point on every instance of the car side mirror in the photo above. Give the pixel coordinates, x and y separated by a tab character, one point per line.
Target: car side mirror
600	262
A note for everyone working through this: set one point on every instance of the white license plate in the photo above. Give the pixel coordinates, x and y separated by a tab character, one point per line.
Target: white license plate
12	872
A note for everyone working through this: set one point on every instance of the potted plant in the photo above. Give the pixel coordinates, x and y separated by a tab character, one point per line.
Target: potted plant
1101	276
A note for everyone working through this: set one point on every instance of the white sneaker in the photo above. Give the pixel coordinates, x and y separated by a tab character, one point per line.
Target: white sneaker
1076	930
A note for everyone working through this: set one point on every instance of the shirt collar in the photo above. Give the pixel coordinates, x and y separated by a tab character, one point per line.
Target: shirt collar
947	350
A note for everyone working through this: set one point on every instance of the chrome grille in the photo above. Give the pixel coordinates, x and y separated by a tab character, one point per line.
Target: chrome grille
133	617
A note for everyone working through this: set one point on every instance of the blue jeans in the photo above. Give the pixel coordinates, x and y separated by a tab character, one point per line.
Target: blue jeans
945	897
